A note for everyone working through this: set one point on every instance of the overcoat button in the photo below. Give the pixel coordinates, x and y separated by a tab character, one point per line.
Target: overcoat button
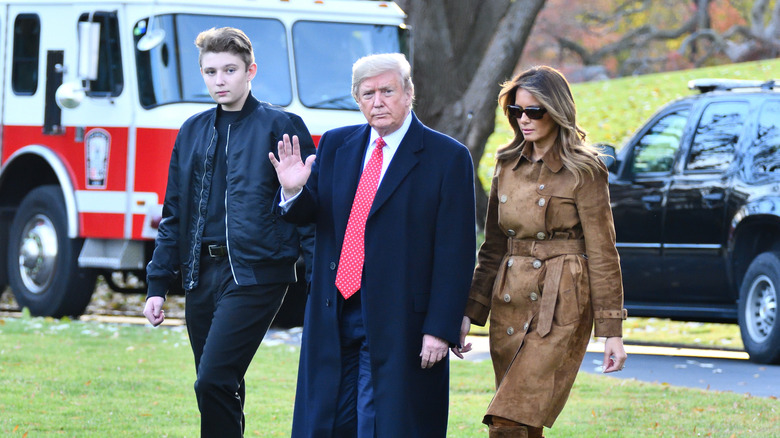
510	331
541	186
510	263
332	266
534	296
507	298
541	202
503	199
510	232
537	264
525	326
540	235
327	302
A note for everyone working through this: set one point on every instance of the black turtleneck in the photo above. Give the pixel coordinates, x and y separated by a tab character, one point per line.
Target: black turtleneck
214	231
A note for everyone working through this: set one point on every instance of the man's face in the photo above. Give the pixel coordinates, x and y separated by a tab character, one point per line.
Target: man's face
384	102
227	78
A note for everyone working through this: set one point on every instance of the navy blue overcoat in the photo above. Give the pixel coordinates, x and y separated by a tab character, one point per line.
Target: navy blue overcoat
420	250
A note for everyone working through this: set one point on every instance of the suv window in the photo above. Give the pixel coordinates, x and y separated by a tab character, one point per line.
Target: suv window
716	136
766	145
655	151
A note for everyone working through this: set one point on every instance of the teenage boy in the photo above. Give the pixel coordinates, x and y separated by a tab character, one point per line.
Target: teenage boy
220	230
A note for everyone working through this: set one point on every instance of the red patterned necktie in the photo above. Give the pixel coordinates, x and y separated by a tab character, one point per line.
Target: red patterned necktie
353	249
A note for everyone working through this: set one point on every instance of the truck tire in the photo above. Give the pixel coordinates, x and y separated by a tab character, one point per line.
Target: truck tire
758	309
42	261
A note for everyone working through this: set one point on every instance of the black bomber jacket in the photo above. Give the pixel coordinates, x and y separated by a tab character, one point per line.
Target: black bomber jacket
262	248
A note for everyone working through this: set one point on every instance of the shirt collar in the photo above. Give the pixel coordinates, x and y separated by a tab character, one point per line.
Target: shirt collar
551	159
393	140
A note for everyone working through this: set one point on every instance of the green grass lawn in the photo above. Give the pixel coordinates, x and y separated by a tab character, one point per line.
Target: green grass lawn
610	111
61	378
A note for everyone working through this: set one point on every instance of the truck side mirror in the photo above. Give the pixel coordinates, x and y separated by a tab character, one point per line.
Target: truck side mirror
152	39
69	95
89	43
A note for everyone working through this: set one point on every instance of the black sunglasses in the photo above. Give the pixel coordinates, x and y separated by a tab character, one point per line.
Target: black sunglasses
533	112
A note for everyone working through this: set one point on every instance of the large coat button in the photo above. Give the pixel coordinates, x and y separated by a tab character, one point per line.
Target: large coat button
503	199
534	296
537	264
332	266
510	263
507	298
541	186
510	331
540	235
541	202
510	232
525	326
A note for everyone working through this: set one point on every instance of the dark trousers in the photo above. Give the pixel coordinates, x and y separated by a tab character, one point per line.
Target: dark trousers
226	324
355	413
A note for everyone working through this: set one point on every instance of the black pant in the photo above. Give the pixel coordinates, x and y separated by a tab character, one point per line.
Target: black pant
226	324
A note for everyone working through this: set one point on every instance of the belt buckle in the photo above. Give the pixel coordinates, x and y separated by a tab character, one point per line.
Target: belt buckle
215	251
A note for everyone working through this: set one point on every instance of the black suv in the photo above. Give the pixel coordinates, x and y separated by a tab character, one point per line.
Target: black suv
696	200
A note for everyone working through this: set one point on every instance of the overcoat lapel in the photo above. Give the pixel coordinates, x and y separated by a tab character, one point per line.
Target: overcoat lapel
347	168
404	160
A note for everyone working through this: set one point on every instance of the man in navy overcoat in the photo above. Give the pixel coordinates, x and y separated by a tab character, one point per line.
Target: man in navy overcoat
376	364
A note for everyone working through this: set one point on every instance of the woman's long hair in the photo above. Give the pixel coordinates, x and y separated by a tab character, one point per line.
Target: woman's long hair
551	89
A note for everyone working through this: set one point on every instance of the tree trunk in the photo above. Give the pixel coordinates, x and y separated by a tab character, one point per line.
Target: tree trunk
463	51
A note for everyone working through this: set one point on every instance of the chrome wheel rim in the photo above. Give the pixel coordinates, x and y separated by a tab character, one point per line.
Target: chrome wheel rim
38	253
761	308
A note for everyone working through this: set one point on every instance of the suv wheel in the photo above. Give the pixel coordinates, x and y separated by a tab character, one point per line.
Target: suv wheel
758	308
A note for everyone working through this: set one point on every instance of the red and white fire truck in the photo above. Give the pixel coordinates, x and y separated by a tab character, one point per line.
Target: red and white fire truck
92	95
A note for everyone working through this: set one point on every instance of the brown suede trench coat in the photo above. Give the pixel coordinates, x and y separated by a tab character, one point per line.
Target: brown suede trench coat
547	268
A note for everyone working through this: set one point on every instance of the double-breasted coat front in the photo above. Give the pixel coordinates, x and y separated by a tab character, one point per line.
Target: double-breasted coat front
548	266
419	256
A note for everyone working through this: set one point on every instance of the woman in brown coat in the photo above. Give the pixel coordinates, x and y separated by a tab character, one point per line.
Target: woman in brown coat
548	268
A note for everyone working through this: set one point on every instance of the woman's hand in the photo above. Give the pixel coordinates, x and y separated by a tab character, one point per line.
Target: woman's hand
614	355
465	327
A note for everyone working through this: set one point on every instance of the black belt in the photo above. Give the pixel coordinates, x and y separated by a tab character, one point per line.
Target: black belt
217	251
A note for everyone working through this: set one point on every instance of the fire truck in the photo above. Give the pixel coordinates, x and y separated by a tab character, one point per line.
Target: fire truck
92	96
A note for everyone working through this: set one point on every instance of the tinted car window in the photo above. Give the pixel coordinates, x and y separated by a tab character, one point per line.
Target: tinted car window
716	136
655	151
766	146
27	36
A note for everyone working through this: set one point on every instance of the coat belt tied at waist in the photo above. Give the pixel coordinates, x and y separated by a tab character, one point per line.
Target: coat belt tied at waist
553	252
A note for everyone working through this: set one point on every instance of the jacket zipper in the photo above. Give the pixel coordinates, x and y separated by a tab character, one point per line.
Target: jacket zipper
227	234
200	202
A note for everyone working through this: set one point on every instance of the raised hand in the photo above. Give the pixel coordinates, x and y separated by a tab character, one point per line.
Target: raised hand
291	170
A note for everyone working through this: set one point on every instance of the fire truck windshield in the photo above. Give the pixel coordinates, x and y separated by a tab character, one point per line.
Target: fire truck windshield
323	54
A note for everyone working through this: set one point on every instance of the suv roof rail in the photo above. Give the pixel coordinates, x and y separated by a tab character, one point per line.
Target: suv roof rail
706	85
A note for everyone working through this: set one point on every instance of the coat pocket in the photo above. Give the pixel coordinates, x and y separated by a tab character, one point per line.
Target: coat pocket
567	309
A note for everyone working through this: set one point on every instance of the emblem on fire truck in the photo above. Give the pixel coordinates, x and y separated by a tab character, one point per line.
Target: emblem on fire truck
97	145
